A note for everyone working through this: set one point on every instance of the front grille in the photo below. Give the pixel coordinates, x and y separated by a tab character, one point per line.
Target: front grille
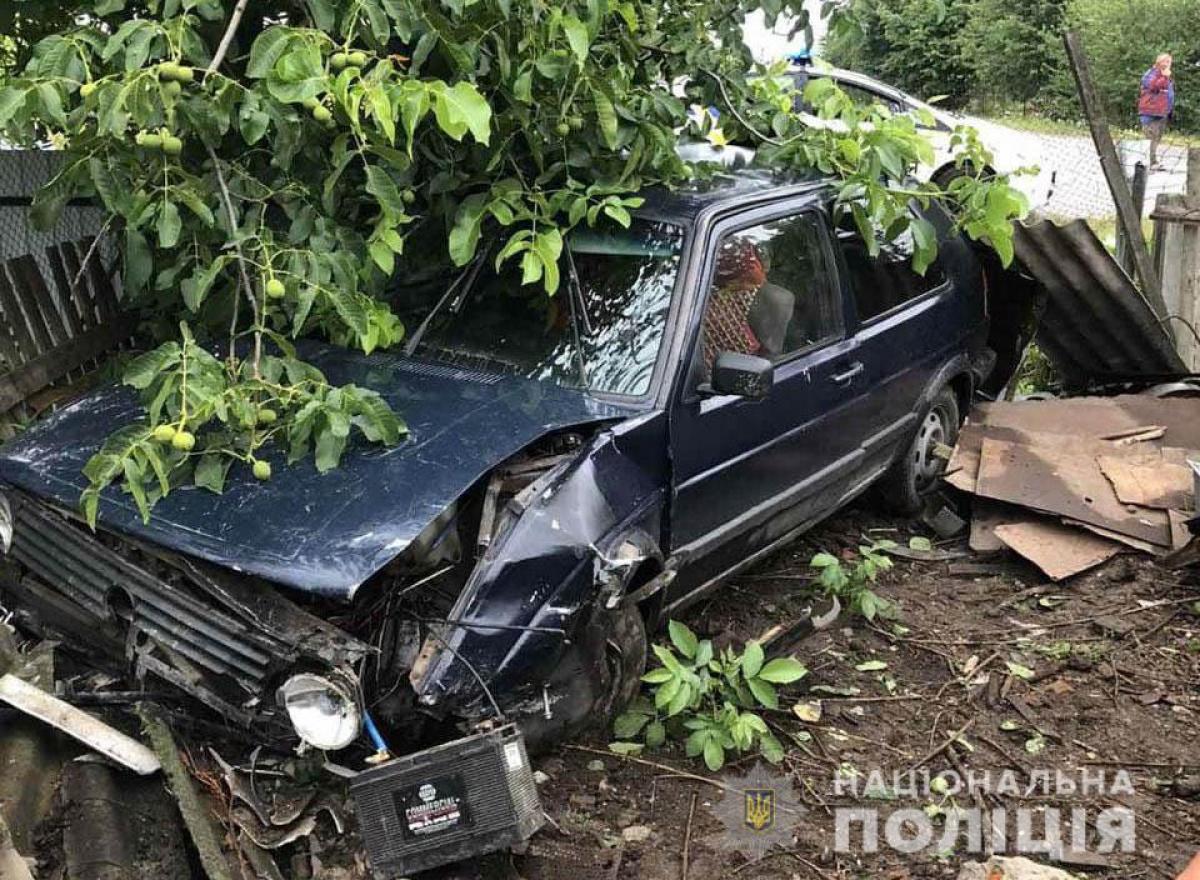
81	569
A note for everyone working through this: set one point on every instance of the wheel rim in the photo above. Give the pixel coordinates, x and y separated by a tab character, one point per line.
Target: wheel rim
933	432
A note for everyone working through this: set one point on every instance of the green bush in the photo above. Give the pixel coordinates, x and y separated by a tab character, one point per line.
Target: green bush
996	52
910	44
1123	37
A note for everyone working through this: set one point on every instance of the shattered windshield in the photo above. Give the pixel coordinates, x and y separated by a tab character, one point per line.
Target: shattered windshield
601	330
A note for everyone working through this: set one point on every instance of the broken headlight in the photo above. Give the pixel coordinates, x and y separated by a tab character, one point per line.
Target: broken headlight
324	712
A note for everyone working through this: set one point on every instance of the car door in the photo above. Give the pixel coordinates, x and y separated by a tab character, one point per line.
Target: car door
906	326
747	470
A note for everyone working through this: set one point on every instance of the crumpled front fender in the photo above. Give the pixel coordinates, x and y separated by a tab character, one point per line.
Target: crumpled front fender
529	601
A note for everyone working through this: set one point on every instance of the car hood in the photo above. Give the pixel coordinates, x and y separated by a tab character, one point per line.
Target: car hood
319	533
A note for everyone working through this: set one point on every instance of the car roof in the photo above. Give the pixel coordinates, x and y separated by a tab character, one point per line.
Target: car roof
683	204
854	77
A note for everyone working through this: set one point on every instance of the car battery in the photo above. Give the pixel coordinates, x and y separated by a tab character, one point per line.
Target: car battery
468	797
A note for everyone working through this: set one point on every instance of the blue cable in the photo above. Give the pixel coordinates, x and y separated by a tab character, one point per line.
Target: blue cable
374	735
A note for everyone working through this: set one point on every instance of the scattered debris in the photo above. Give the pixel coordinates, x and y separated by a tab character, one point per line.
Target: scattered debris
636	833
1058	550
1068	484
89	730
12	865
197	815
999	868
96	839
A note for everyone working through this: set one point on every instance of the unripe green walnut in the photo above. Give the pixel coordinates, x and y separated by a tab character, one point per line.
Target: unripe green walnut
275	289
164	434
321	114
311	104
339	60
267	417
87	90
562	129
408	196
149	140
184	441
262	470
356	59
172	145
172	89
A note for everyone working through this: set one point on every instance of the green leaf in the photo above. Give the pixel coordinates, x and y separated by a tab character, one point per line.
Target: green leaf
714	755
763	692
268	48
170	226
464	237
144	369
577	35
211	472
657	676
752	660
655	735
383	255
606	114
783	670
1023	672
629	724
385	191
920	543
461	109
771	748
684	639
871	666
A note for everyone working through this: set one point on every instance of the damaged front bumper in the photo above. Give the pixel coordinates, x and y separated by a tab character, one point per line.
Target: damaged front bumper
214	635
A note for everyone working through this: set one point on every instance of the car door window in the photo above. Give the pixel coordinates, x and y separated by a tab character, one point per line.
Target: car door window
886	281
772	294
866	98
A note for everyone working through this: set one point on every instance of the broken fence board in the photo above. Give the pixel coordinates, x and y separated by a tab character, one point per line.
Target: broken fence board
88	729
1059	551
1059	480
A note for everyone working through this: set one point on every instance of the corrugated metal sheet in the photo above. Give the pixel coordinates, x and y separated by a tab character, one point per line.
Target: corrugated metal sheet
1096	324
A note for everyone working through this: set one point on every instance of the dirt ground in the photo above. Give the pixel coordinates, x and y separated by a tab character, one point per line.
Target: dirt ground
1115	662
1105	666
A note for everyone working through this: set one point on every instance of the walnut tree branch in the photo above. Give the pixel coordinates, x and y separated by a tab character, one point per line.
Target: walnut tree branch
227	39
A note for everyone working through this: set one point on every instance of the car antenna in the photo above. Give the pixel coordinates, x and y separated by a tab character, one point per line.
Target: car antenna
468	275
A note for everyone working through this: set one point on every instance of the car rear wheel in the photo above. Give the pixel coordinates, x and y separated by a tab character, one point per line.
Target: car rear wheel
919	470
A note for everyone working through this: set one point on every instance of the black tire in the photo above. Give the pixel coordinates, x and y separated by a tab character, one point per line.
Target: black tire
625	651
918	472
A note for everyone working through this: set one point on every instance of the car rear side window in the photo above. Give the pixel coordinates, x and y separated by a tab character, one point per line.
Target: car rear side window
772	293
887	281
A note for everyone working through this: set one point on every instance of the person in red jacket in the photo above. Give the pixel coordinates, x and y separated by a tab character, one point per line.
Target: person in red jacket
1156	104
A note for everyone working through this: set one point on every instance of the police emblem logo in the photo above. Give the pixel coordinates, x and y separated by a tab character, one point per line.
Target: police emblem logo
759	809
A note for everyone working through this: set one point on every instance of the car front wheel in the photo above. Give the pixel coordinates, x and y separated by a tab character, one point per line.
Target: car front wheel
919	470
625	650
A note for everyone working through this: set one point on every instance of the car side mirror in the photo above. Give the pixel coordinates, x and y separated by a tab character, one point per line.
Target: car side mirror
742	375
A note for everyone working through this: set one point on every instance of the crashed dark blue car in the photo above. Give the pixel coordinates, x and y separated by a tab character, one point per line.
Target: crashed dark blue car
707	384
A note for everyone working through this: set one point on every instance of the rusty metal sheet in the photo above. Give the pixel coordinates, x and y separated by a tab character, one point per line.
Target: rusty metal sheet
1096	324
1149	481
1058	550
985	516
1058	479
1087	419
